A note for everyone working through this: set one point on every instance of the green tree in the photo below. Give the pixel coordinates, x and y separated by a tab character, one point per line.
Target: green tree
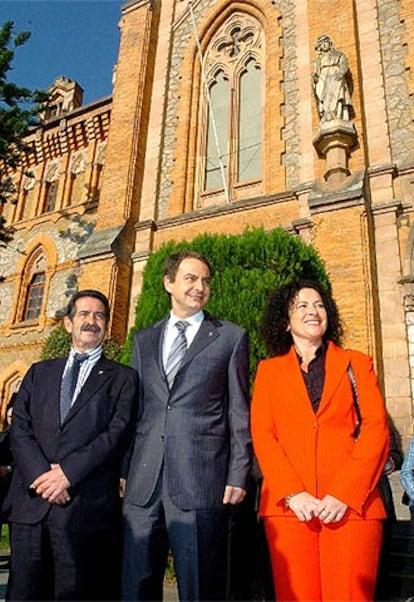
18	109
246	268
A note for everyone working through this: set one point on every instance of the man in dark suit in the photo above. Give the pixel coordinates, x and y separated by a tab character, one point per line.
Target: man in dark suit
192	450
64	504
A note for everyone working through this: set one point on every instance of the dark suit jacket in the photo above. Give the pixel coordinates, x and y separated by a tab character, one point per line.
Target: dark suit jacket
198	431
88	446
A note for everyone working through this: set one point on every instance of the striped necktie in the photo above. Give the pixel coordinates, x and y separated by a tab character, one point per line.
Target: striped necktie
177	352
69	382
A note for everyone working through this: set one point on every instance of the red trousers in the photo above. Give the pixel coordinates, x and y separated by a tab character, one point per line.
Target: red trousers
314	562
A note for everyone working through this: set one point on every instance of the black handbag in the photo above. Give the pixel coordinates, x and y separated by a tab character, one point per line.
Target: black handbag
355	397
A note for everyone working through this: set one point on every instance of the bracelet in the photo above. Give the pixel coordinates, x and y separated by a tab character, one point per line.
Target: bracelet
289	497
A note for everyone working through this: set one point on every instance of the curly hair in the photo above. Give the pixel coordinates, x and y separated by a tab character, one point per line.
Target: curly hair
277	339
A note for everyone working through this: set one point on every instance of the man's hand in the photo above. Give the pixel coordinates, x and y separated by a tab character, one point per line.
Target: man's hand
233	495
52	485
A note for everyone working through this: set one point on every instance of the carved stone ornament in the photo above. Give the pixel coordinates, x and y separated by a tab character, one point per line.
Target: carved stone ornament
78	164
52	171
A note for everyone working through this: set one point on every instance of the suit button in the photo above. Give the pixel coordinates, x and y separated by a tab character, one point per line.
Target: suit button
169	407
162	437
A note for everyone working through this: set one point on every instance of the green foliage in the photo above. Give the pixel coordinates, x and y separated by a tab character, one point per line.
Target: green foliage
246	269
18	108
58	344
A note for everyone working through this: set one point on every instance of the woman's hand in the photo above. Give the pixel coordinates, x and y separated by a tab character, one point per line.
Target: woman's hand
330	510
304	505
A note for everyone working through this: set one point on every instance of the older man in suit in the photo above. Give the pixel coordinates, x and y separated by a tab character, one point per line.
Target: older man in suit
71	426
192	450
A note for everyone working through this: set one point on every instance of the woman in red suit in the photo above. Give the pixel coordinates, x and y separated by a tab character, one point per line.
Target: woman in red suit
320	503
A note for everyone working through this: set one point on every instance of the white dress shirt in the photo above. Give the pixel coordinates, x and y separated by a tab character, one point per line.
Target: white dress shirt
171	332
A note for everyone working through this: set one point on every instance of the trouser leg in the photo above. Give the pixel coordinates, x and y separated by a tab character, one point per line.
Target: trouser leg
199	543
349	554
145	552
31	575
294	554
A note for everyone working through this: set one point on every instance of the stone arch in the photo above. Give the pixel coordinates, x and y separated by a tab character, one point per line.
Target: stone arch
184	114
10	381
40	257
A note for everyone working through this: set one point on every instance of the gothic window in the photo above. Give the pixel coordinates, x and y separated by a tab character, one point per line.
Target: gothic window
97	171
51	186
218	120
249	155
232	102
34	298
50	196
77	179
33	285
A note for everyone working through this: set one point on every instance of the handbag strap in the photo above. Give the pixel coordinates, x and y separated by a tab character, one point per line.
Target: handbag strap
355	397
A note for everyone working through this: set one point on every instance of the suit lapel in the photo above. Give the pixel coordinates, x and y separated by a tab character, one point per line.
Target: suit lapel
207	333
99	375
293	382
157	343
52	388
336	363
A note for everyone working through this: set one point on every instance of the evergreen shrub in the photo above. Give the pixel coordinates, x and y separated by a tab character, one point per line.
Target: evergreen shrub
246	268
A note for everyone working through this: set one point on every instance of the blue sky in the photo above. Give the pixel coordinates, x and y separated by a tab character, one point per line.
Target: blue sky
75	38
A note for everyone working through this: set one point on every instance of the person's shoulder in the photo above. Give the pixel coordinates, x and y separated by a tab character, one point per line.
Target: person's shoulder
274	360
115	365
229	326
359	356
47	364
150	329
356	357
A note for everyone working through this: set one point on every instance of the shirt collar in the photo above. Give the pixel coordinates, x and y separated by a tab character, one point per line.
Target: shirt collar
93	354
320	352
192	320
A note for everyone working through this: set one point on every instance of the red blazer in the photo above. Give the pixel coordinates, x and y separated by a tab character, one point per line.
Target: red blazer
299	450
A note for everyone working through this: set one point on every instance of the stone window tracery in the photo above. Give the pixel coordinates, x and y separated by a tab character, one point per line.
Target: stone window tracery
230	140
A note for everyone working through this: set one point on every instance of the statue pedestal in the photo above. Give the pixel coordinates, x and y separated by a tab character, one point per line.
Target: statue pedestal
334	142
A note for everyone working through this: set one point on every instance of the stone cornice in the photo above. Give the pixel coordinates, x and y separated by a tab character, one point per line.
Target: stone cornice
225	209
394	206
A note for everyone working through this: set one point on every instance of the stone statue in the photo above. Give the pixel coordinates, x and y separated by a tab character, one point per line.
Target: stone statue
329	81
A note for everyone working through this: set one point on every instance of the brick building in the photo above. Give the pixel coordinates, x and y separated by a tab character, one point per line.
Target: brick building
116	178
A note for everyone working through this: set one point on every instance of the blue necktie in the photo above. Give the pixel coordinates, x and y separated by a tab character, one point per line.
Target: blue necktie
69	382
177	352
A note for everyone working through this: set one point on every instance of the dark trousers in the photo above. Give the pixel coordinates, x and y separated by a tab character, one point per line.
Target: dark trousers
198	540
51	563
